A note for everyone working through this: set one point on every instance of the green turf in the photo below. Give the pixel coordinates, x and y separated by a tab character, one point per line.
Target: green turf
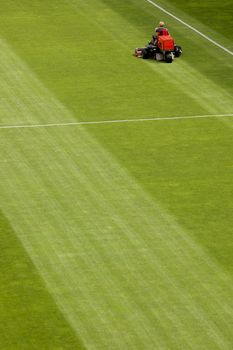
29	318
121	231
188	167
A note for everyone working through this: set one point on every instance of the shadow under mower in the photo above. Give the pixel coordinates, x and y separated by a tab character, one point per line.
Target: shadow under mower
165	50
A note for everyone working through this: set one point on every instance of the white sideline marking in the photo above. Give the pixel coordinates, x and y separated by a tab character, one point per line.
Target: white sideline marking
190	27
27	126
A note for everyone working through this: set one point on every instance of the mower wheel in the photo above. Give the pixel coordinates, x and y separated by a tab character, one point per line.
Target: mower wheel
177	51
168	57
145	54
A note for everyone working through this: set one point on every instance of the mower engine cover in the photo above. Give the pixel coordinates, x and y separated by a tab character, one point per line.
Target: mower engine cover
166	43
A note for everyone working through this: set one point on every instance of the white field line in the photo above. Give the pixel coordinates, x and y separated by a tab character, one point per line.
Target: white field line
190	27
119	121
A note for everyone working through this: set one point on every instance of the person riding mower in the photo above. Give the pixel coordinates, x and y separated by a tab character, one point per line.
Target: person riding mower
161	30
161	47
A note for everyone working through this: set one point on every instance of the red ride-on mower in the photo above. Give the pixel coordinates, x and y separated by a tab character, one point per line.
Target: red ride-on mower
164	50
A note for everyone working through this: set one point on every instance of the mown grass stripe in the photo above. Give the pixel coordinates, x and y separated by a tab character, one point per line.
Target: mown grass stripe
17	84
26	302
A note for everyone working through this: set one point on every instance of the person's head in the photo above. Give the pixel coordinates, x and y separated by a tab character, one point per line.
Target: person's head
161	24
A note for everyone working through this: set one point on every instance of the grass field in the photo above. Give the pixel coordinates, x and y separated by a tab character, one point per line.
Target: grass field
115	235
